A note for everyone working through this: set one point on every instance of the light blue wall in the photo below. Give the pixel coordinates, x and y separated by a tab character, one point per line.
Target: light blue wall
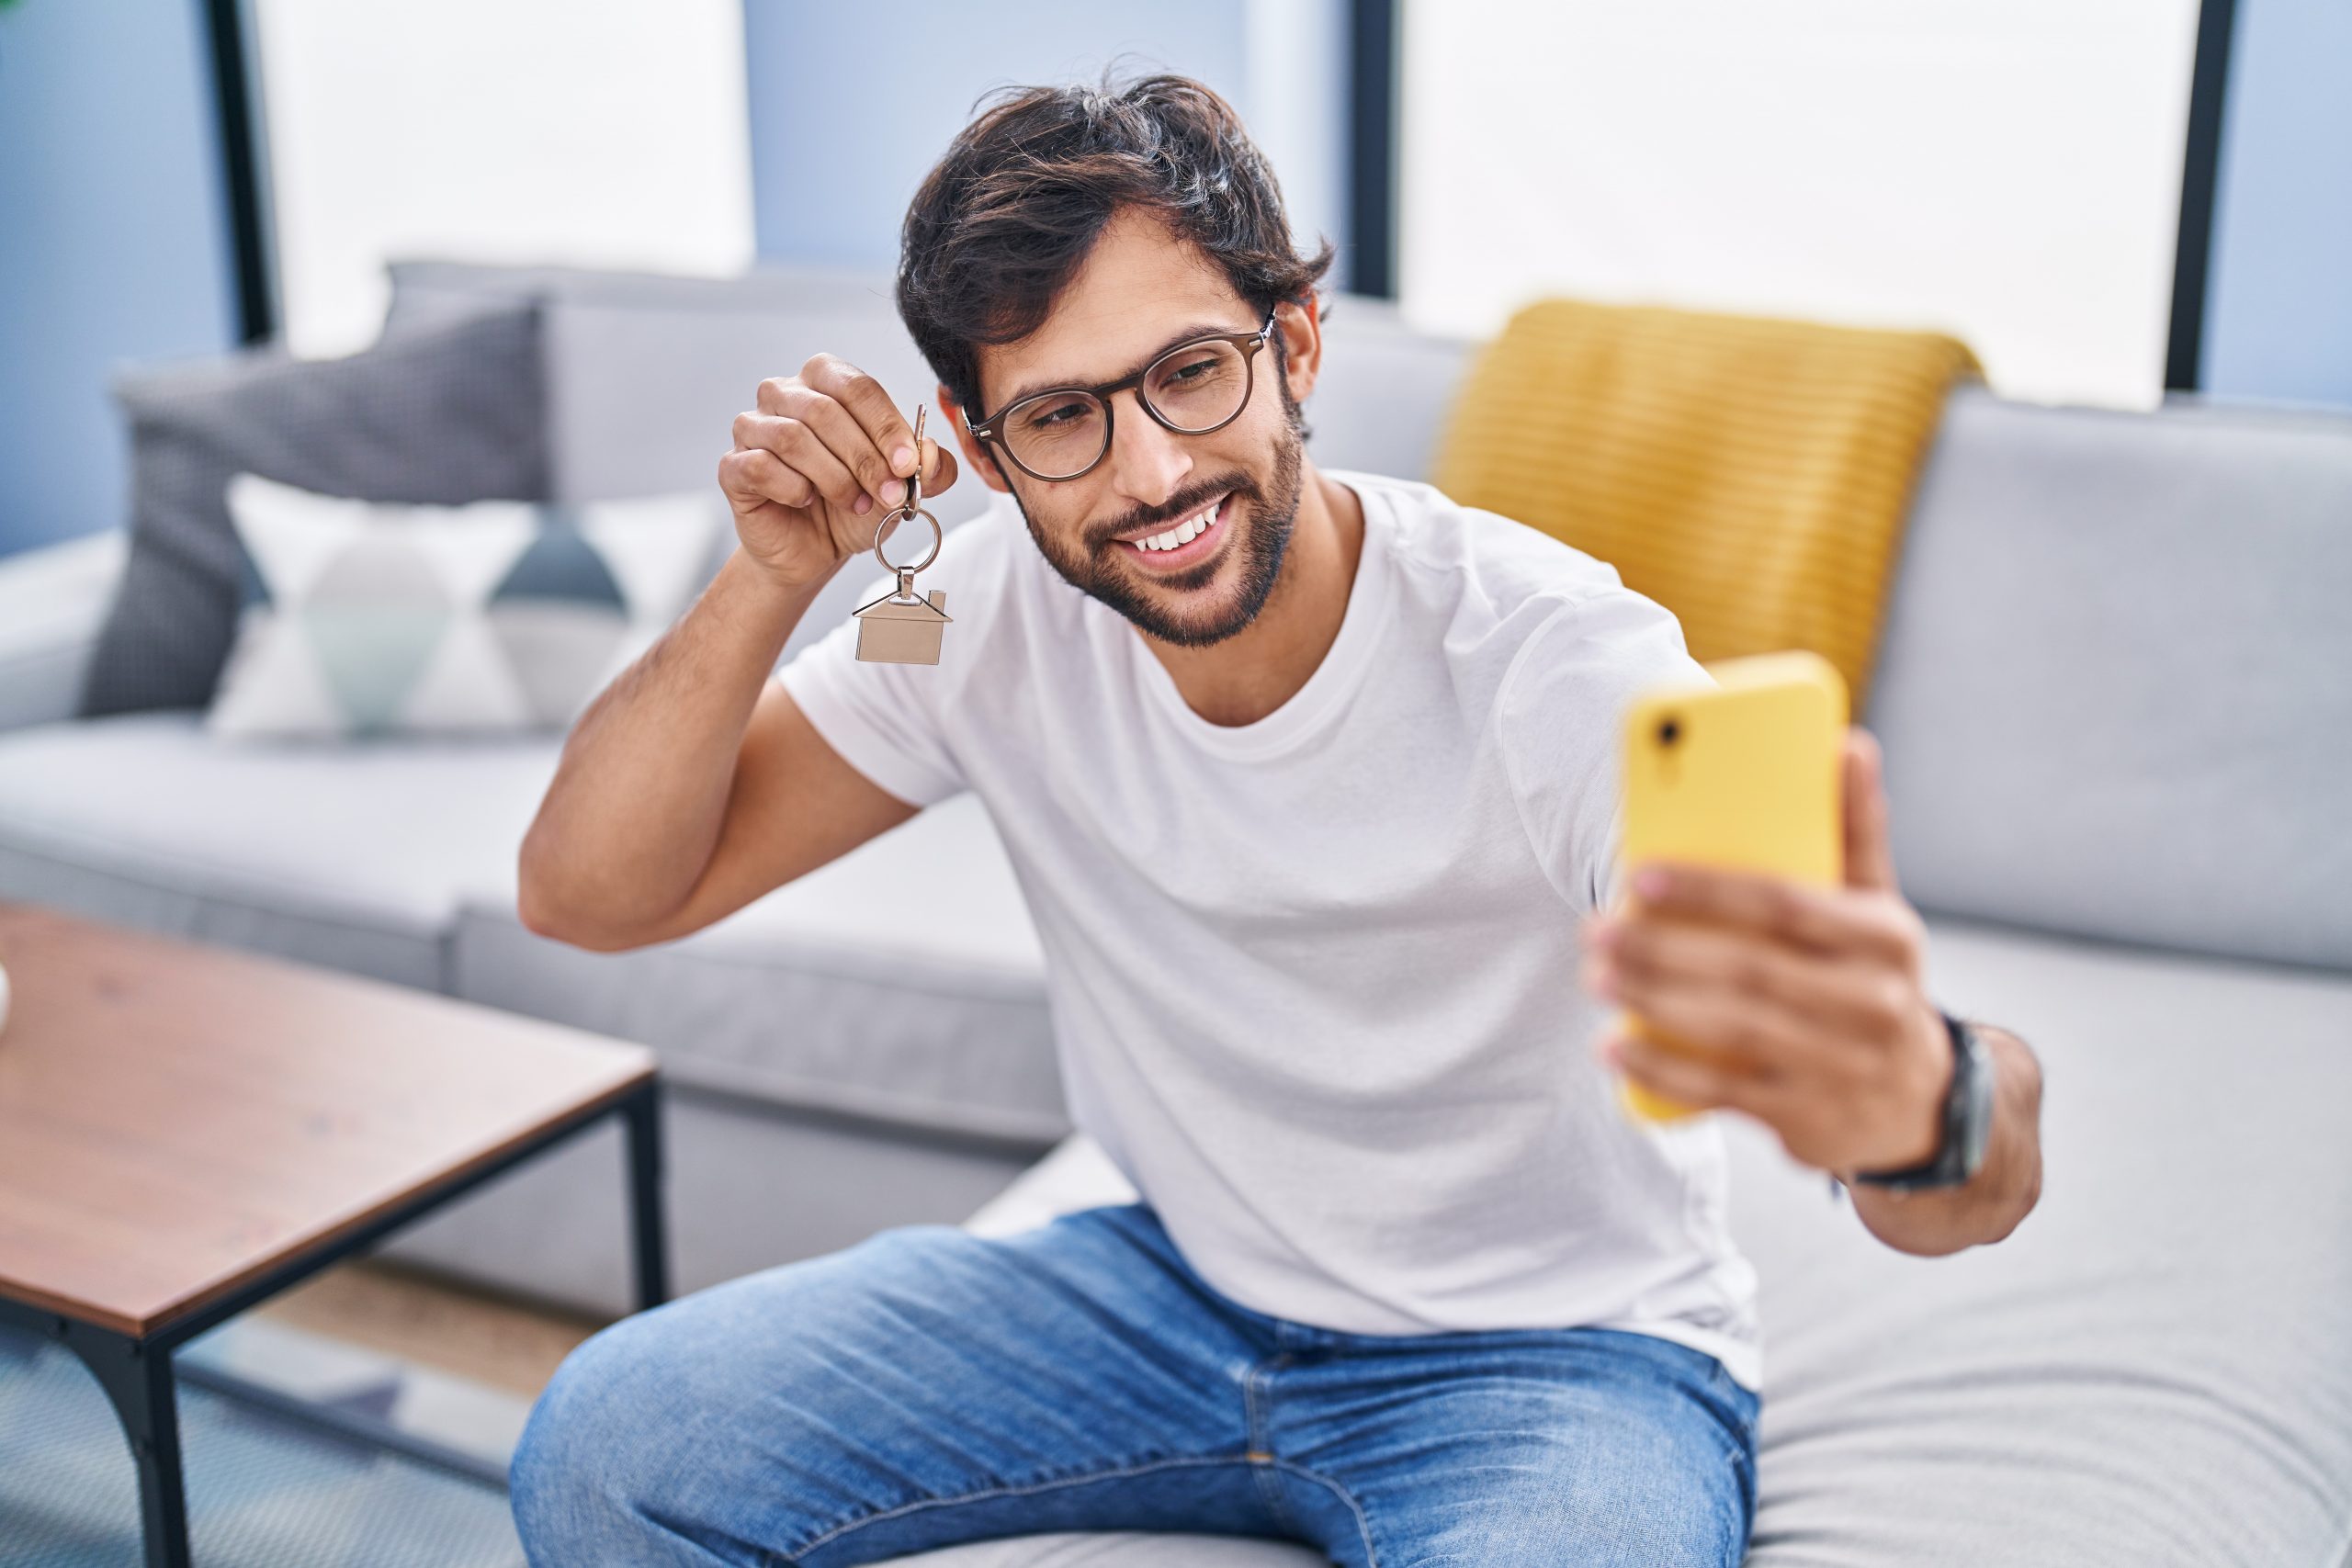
852	104
113	240
2278	304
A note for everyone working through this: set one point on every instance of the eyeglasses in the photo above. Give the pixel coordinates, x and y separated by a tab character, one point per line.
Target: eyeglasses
1191	389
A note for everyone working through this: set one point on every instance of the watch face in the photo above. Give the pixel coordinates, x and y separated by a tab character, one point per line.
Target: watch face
1979	1126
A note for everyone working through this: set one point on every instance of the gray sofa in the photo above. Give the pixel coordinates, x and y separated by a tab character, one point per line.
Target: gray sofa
2115	695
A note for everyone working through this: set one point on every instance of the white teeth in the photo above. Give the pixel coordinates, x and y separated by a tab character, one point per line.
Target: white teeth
1184	533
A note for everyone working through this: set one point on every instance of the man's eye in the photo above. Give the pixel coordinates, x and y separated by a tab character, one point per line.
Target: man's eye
1195	370
1055	415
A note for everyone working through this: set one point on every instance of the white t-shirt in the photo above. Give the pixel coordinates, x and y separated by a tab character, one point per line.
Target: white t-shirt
1314	979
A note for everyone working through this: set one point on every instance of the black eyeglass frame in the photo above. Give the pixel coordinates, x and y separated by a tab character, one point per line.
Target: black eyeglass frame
991	428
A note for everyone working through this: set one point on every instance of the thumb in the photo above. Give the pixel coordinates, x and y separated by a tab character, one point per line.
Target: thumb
1869	859
938	467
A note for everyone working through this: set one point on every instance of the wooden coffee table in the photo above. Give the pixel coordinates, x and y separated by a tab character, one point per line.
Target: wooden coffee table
186	1131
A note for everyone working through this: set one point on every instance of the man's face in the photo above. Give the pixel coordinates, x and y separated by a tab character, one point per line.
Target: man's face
1140	293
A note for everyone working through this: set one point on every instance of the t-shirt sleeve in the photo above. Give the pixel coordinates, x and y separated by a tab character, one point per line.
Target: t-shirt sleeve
886	719
1560	714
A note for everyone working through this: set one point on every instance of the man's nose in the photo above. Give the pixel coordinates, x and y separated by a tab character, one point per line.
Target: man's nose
1148	462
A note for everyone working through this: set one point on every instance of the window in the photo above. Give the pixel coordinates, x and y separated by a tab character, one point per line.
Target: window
597	134
2006	170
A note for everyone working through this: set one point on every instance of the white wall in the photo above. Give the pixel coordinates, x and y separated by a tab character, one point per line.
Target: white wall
597	132
2008	170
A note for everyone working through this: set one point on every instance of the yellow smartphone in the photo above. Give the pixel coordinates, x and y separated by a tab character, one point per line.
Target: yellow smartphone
1742	774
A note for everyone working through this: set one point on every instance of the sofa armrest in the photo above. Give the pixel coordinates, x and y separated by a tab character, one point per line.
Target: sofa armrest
53	602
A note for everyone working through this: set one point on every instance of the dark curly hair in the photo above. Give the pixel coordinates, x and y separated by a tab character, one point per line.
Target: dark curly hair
1006	217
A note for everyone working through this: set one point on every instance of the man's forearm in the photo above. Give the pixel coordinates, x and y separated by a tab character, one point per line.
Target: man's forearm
639	798
2005	1188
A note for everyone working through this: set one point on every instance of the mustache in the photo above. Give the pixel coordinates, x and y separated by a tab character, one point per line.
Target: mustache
1181	506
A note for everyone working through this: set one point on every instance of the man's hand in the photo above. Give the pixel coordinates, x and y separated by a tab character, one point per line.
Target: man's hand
817	465
1809	1006
1808	1003
1815	1018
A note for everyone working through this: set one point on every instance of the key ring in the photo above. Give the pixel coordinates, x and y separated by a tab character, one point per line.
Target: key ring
910	508
900	514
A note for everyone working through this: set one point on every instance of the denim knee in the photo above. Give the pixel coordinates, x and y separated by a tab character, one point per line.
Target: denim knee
587	1470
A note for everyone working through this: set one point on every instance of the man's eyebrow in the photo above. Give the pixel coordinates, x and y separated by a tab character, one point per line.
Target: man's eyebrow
1178	340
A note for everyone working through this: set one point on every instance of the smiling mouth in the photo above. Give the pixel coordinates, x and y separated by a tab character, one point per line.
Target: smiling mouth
1185	542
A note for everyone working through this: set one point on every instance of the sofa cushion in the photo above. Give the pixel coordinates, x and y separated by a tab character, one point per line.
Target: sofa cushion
351	854
901	984
2151	1368
2112	687
449	415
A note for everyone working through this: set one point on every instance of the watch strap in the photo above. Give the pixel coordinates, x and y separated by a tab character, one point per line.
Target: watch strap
1966	1116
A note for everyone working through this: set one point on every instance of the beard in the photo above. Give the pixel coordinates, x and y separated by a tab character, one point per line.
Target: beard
1272	513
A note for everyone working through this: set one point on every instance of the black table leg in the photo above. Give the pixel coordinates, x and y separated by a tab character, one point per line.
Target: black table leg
642	1113
138	1380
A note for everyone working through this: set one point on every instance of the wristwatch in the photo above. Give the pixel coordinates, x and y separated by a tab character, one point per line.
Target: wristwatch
1967	1118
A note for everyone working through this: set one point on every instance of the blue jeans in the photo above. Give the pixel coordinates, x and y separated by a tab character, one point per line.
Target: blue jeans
930	1387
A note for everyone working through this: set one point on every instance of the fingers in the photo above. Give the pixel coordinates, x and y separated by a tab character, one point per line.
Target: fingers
805	451
1762	1033
893	439
1836	1002
1691	1079
750	477
1827	920
879	429
836	424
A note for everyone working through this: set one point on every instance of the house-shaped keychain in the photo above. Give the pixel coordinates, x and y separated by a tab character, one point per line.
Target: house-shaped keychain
902	628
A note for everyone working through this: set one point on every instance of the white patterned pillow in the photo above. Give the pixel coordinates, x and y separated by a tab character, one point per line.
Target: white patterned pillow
498	618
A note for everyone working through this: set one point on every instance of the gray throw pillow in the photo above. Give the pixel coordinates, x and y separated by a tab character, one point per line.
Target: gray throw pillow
441	415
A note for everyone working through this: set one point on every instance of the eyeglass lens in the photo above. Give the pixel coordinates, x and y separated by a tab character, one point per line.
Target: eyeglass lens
1062	434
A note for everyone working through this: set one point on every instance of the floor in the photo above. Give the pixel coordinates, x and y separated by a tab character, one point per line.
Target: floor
365	1419
418	1317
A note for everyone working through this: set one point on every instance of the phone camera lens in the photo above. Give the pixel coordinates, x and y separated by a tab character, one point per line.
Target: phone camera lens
1669	732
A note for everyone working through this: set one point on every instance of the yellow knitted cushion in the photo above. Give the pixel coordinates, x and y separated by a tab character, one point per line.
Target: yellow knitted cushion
1751	475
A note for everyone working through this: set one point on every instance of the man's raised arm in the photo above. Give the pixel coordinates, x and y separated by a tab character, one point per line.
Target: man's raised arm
693	784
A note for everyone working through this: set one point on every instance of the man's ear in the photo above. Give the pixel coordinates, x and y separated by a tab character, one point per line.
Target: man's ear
976	456
1302	330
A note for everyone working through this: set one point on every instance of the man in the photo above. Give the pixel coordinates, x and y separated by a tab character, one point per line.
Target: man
1309	779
